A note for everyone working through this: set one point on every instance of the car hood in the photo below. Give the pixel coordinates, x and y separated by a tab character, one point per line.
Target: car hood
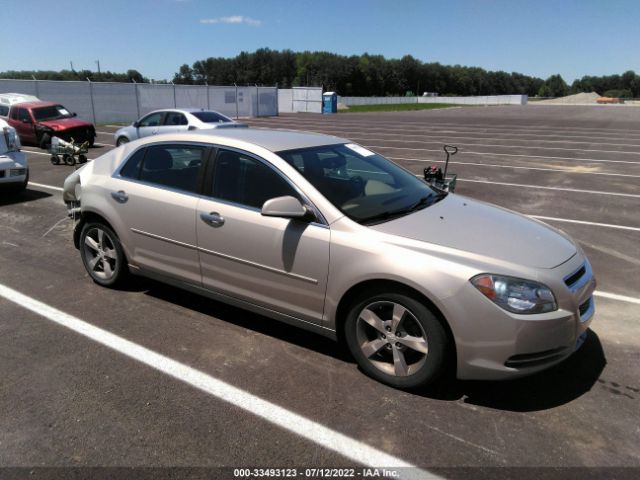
464	224
65	123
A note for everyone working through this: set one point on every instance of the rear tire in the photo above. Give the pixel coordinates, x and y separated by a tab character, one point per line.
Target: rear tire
55	160
69	160
396	339
102	255
121	141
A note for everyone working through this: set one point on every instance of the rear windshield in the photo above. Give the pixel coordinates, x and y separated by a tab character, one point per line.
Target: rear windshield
53	112
211	117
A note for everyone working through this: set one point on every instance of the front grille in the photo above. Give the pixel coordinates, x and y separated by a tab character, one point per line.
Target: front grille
572	279
534	359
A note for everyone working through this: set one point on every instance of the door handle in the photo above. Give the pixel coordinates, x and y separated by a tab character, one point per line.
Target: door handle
120	196
212	219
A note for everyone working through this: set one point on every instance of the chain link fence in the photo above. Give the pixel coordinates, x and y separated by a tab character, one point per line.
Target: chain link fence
125	102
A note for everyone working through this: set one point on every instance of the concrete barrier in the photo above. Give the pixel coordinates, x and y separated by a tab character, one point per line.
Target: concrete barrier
479	100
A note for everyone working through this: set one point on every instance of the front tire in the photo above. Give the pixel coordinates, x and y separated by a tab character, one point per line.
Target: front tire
396	339
102	254
45	141
23	185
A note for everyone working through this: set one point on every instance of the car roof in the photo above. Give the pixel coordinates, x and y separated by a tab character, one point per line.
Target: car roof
272	140
37	104
13	98
185	110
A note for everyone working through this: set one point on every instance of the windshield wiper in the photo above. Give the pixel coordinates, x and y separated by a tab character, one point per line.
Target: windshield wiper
419	205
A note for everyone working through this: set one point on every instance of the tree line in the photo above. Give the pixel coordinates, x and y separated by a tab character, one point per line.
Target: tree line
360	75
79	75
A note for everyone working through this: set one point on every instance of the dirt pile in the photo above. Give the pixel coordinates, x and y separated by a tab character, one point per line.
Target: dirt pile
577	99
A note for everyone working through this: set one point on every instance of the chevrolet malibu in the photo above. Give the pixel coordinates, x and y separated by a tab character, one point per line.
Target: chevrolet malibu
319	232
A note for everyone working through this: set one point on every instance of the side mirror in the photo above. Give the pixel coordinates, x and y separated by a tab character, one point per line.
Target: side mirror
285	207
26	120
135	124
74	114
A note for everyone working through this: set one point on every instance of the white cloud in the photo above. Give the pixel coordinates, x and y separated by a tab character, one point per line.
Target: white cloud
234	19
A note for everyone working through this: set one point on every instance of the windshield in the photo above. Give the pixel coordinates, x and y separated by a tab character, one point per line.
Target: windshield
211	117
54	112
365	186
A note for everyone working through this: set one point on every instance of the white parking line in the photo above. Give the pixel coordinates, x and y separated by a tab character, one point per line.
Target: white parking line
279	416
42	185
432	133
493	154
428	123
35	152
493	165
560	189
582	222
615	296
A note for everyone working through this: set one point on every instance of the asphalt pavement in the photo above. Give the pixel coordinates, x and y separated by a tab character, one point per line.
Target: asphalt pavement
70	400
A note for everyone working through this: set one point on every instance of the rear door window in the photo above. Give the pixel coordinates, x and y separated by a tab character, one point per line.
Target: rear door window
173	166
175	118
132	168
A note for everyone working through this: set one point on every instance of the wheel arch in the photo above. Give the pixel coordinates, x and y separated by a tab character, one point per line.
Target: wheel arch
86	217
377	285
123	135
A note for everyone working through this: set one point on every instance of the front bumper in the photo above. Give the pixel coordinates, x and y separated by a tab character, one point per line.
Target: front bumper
493	344
13	168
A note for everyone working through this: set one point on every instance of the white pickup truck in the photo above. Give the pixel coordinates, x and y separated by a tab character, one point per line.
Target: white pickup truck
14	171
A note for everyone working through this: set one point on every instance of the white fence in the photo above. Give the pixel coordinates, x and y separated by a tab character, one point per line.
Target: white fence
300	99
125	102
480	100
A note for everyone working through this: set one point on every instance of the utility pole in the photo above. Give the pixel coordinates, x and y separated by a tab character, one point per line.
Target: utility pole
71	63
98	63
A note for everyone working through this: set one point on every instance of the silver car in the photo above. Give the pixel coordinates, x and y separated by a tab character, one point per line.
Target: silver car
321	233
173	120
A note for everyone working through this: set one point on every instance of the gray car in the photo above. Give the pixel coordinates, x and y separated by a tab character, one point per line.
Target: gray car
173	120
319	232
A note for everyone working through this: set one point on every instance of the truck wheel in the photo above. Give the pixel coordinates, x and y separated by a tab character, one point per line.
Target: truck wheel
55	160
82	159
69	160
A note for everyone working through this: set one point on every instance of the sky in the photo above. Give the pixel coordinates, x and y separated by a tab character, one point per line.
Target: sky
534	37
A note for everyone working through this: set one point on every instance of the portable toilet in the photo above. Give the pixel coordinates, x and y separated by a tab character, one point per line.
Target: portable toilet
329	102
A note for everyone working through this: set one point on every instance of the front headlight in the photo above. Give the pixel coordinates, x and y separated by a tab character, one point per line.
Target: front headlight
515	294
12	139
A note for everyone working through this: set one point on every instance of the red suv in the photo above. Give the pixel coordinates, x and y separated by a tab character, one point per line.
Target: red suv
37	122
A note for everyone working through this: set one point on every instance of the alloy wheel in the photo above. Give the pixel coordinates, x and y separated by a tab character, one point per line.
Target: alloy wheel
391	338
100	254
